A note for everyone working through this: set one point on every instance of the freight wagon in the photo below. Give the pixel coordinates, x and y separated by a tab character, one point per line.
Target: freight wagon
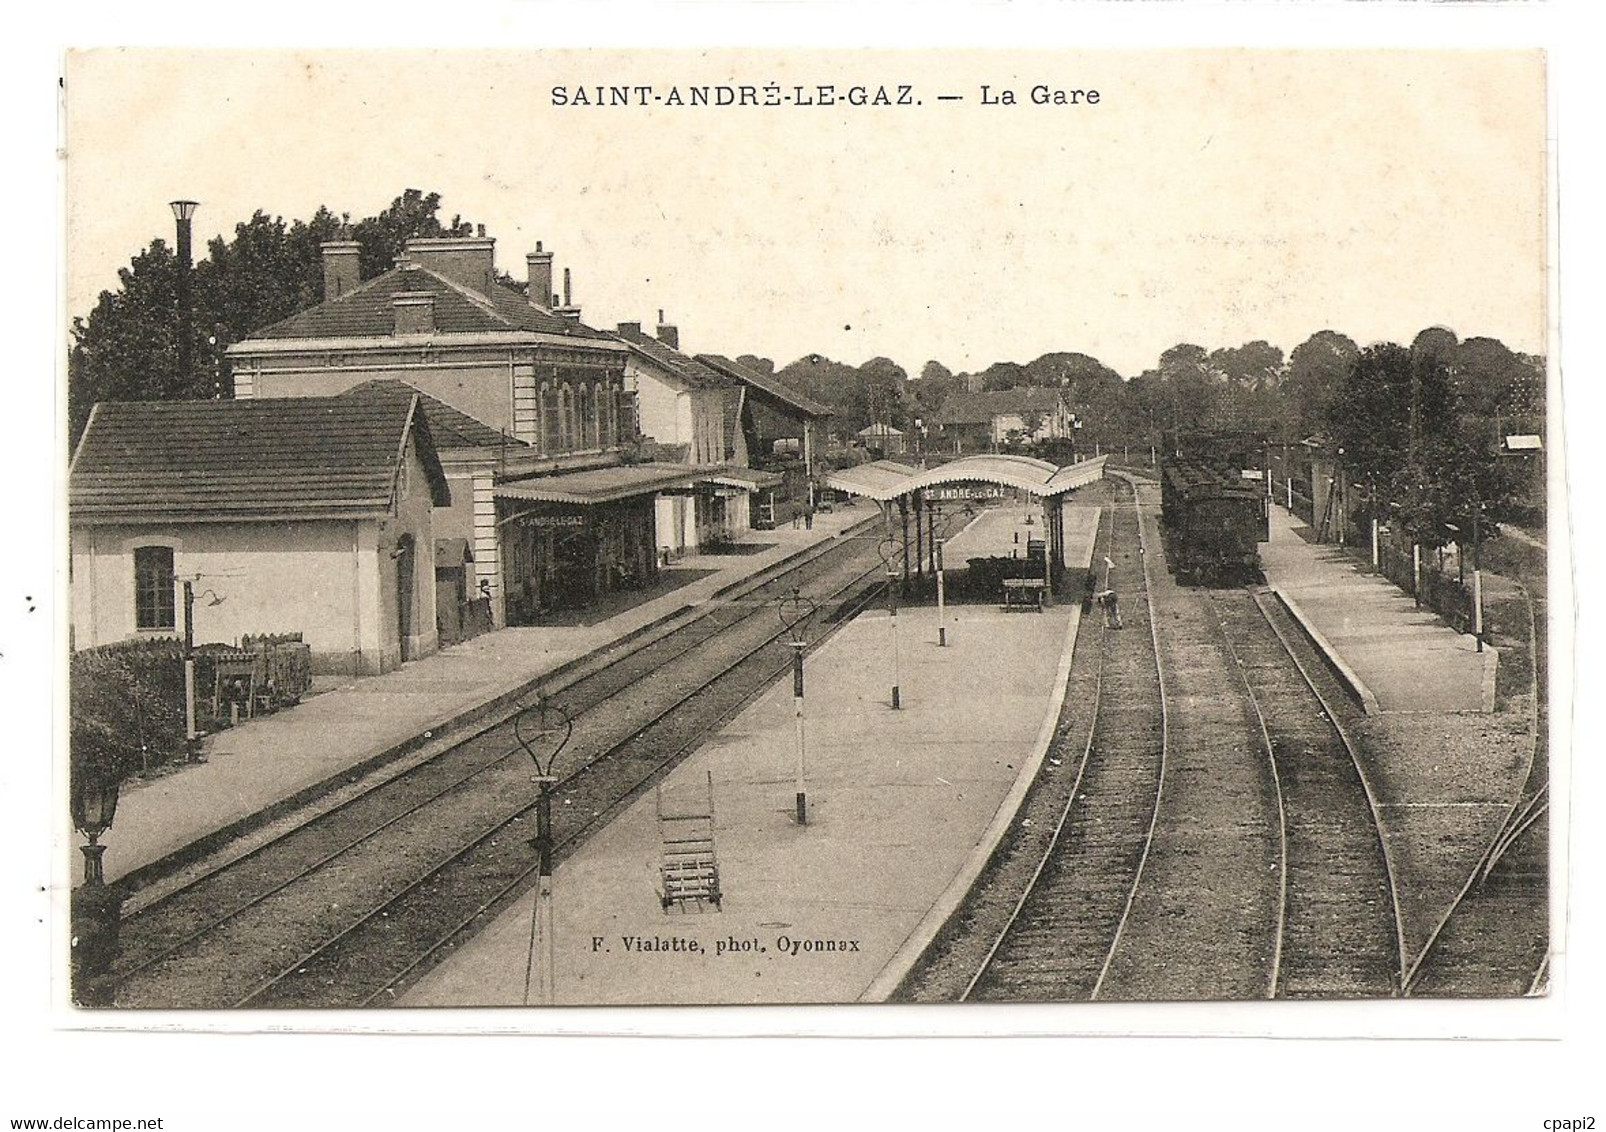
1212	522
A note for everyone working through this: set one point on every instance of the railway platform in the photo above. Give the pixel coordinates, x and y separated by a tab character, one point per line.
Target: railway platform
300	753
1397	658
903	808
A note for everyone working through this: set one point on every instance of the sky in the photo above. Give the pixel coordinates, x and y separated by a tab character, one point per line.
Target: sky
1210	196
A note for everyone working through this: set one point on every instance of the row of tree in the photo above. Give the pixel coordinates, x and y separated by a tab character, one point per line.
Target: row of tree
126	348
1416	422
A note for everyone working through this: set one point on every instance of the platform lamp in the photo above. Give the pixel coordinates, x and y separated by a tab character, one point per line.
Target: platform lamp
96	910
183	211
889	549
795	611
543	739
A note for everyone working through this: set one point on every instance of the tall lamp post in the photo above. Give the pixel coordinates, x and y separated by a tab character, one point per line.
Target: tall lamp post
96	909
183	210
543	743
889	549
795	611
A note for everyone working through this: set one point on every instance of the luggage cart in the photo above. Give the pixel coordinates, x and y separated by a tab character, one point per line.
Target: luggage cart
689	869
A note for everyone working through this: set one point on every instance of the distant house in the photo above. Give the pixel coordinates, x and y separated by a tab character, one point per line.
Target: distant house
884	438
986	422
309	515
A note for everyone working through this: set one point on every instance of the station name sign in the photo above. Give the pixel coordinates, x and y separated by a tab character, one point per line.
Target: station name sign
555	520
966	491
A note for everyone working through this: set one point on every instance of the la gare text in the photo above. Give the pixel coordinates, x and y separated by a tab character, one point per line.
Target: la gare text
821	94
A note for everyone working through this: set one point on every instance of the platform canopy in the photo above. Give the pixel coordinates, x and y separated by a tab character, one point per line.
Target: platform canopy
886	480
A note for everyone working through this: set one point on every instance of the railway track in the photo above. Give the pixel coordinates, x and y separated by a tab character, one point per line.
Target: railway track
341	907
1220	839
1206	915
1494	939
1056	943
1340	933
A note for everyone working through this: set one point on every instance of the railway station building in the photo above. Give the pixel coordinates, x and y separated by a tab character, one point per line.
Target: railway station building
546	513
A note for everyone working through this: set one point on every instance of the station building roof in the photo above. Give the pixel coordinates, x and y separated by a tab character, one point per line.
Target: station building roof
886	479
367	311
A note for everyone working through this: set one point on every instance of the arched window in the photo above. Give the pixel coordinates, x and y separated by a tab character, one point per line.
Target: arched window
566	409
551	420
598	414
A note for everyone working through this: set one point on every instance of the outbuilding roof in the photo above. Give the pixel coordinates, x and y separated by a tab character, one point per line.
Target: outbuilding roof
367	311
267	460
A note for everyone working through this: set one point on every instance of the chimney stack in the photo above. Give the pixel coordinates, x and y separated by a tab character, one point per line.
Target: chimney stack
568	310
415	312
469	261
539	266
341	267
631	330
668	335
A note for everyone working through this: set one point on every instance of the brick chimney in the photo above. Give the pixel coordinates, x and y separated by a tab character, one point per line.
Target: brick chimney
630	330
539	267
668	335
341	267
415	312
469	261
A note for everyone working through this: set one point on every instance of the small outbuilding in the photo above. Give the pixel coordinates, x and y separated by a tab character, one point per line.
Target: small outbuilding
308	515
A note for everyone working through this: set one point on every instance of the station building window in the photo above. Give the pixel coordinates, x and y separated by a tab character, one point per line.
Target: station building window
153	588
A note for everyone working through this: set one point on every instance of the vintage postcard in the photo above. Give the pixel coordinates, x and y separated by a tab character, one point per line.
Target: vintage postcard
599	528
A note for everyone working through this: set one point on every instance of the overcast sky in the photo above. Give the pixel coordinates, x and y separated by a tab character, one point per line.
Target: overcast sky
1212	197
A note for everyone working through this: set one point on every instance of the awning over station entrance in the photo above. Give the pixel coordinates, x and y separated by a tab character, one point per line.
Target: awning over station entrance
625	481
885	480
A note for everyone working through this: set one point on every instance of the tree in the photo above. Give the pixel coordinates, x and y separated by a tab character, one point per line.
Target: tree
126	349
878	396
1369	414
1255	365
383	237
1316	371
757	364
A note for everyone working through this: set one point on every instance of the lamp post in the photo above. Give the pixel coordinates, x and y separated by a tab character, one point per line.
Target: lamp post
96	909
889	548
192	736
795	610
543	743
942	605
183	210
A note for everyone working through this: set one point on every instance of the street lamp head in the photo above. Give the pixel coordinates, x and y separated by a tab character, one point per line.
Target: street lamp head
184	209
93	800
